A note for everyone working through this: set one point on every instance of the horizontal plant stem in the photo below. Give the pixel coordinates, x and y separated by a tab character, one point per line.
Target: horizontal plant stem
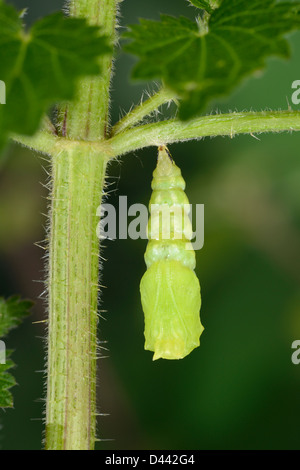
42	142
144	109
50	144
167	132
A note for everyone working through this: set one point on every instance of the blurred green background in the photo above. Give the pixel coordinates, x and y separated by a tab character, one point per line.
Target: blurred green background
239	390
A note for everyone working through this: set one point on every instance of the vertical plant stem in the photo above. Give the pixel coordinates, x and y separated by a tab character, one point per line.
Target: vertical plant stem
73	291
78	180
88	113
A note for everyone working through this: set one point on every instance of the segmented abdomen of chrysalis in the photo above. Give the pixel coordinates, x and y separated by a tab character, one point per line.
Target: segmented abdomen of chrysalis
170	289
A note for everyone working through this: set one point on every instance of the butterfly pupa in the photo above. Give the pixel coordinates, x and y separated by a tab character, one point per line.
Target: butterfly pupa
170	289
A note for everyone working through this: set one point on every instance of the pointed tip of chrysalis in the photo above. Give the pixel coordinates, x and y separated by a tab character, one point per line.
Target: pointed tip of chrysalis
165	164
164	152
166	174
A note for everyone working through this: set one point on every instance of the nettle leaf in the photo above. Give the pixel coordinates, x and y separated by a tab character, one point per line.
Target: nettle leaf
206	59
7	381
41	66
208	5
12	312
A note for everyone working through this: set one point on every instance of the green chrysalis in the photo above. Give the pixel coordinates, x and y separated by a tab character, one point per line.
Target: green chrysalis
170	289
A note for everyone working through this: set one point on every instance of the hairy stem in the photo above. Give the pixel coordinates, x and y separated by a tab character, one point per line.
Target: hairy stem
87	115
144	109
78	171
73	291
167	132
